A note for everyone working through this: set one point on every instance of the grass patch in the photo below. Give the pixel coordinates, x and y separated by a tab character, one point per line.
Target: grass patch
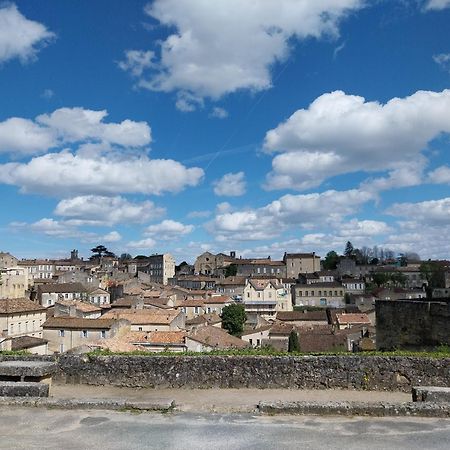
14	353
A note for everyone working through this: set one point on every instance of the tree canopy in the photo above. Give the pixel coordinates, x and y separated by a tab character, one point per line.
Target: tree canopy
331	260
233	318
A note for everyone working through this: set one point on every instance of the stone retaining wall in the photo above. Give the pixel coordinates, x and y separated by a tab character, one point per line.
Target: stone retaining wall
295	372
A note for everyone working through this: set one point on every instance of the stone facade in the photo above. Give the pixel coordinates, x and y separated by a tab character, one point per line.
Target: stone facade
412	324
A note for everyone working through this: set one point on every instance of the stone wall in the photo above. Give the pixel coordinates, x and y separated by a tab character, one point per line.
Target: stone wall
308	372
412	324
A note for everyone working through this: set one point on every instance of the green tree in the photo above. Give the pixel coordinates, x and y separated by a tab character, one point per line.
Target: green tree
331	260
434	276
293	345
231	270
380	278
99	251
348	249
233	318
399	279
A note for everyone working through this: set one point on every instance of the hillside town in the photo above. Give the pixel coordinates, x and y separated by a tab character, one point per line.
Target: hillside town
223	301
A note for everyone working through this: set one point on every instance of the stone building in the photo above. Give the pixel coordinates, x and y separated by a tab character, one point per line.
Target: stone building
7	260
319	294
13	282
297	263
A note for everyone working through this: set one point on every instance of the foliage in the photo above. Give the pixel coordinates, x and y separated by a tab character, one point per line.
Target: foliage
331	260
434	275
349	249
125	257
99	250
231	270
233	319
380	278
293	345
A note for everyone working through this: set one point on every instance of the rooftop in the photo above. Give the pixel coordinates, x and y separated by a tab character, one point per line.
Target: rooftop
18	305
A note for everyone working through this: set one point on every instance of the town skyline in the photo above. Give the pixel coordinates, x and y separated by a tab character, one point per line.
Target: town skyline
134	126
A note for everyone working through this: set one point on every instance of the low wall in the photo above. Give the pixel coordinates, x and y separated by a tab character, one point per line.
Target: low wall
308	372
295	372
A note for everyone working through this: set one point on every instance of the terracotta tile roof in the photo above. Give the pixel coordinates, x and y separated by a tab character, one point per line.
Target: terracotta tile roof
78	323
191	303
62	288
233	281
143	316
216	338
219	299
157	337
257	330
301	255
207	319
281	329
352	318
18	305
291	316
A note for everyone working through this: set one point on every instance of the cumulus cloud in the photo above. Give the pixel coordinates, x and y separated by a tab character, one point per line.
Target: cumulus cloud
431	212
20	37
219	47
100	210
219	113
230	185
198	214
363	228
143	244
441	175
64	230
137	61
340	133
437	4
65	174
168	229
301	211
443	59
20	136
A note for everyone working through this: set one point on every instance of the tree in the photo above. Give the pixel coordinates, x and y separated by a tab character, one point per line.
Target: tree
233	318
231	270
399	279
380	278
125	257
434	276
109	254
348	249
331	260
293	345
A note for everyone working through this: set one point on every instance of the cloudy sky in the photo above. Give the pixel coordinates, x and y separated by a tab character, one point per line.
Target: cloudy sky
250	125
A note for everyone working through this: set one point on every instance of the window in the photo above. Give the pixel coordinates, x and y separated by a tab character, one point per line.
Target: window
103	334
140	328
12	328
251	341
196	310
312	293
320	293
84	333
300	293
258	342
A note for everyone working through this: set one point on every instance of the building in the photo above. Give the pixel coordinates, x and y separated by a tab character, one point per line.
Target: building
260	266
209	264
75	308
99	297
319	294
353	285
47	295
256	336
206	339
215	303
231	286
66	333
13	282
7	260
297	263
303	318
19	317
160	268
350	320
38	269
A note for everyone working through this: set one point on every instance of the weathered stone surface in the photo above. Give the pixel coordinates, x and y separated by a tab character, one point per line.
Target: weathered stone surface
23	389
431	394
357	409
15	368
301	372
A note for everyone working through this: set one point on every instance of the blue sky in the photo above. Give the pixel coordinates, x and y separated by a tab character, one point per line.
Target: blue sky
260	127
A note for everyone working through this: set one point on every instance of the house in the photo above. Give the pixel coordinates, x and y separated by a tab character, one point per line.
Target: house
19	317
76	308
159	341
7	260
348	266
191	307
193	282
345	321
353	285
150	320
208	263
65	333
231	286
319	294
206	339
159	268
264	297
47	295
99	297
297	263
303	318
260	266
13	282
257	336
204	320
38	269
30	344
215	303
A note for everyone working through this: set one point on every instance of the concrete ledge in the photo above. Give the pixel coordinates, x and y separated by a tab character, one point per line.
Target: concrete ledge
162	405
23	389
431	394
379	409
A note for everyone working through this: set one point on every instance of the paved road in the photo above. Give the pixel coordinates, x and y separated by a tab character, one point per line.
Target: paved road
50	429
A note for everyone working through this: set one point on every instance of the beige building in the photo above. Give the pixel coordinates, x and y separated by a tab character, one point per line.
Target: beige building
319	294
13	282
19	317
159	268
264	297
208	263
49	294
66	333
255	337
99	297
297	263
38	270
7	260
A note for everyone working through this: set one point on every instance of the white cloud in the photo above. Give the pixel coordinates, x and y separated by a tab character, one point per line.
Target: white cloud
219	113
64	230
362	228
441	175
69	125
230	185
437	4
187	102
290	211
20	37
431	212
342	133
47	94
168	229
443	60
100	210
221	46
65	174
137	61
142	244
198	214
